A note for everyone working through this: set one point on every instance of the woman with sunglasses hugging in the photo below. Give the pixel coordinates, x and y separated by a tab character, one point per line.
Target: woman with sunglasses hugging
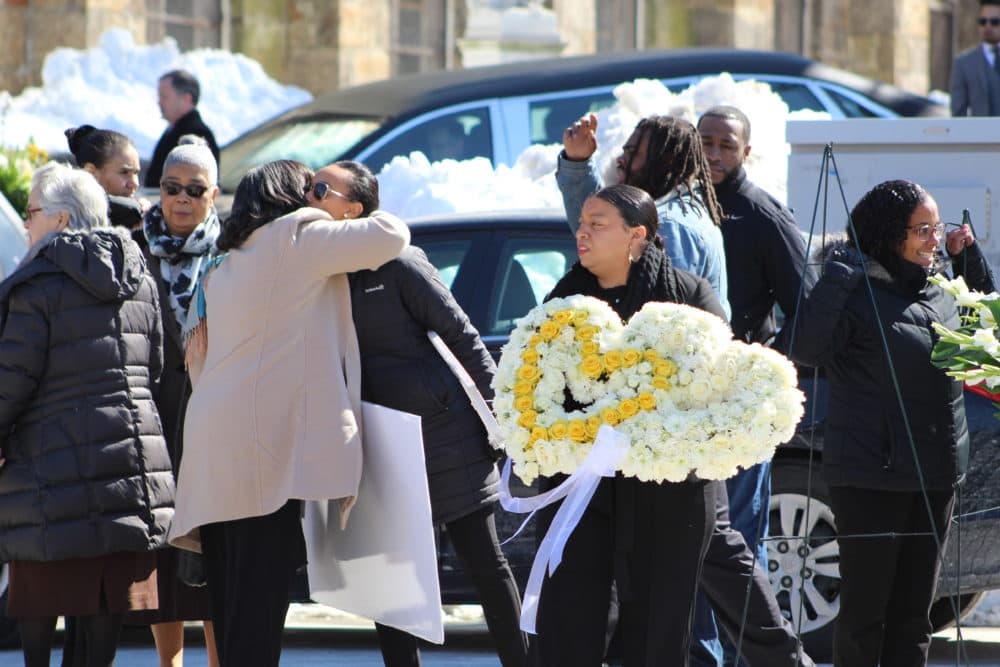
178	237
881	449
394	306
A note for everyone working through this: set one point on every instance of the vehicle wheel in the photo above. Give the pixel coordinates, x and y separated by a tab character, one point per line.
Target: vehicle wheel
942	614
805	575
9	637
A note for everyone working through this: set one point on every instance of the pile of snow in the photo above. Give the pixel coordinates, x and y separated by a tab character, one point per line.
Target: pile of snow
113	86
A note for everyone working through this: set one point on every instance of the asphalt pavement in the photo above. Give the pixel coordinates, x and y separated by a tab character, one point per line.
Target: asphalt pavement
317	635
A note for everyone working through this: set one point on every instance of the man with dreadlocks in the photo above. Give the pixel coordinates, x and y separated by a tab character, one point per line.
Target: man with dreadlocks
663	157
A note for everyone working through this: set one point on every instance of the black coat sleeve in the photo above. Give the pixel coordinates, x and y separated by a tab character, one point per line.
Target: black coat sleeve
431	303
823	327
972	265
24	350
787	270
698	292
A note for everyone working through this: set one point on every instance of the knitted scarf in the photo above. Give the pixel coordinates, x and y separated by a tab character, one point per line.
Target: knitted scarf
181	259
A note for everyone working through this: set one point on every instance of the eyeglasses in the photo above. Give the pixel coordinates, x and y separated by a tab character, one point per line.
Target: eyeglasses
993	21
924	231
320	190
30	213
192	190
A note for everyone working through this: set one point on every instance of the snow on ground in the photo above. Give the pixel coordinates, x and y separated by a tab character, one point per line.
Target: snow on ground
113	86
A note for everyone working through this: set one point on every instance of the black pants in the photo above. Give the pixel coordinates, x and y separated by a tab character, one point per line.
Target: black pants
474	537
648	538
887	584
768	638
249	564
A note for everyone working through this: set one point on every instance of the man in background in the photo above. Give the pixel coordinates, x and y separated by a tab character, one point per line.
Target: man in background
975	76
178	92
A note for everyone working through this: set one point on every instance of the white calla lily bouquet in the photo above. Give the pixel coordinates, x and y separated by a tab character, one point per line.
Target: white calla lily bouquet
970	353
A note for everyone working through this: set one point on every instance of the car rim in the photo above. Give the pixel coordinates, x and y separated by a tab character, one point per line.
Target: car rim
804	574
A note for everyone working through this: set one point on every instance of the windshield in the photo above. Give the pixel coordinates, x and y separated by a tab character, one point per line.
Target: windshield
316	142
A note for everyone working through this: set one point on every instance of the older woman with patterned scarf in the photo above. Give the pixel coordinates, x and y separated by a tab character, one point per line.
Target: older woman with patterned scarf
178	237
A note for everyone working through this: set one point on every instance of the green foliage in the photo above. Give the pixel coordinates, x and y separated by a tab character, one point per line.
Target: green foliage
16	168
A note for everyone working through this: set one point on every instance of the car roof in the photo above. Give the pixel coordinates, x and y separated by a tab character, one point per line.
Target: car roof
416	93
528	219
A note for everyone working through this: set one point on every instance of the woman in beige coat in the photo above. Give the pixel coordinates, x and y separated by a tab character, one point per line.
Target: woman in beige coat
273	417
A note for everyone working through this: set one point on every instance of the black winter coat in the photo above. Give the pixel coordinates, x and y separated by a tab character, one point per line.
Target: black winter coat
765	259
189	123
394	307
87	470
865	440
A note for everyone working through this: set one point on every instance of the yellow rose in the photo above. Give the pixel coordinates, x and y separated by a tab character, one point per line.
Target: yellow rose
530	356
527	419
652	356
628	408
577	430
522	403
666	368
660	382
611	416
589	348
549	330
613	360
593	425
586	332
646	400
557	431
563	317
535	340
630	357
523	388
580	317
592	366
528	373
538	433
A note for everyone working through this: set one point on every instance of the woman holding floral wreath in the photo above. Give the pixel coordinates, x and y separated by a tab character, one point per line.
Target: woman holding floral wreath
648	537
883	449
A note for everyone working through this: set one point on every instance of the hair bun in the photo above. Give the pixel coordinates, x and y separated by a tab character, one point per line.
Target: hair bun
75	135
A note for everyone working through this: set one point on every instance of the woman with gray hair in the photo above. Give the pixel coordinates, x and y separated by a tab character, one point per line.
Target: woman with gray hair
86	490
177	238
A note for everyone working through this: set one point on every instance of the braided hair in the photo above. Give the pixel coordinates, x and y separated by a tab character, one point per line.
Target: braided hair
881	218
675	160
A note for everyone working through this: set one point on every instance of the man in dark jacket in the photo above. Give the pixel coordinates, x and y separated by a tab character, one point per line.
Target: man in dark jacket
178	92
765	264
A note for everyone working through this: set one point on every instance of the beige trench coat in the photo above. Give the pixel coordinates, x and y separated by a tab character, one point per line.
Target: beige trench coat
275	412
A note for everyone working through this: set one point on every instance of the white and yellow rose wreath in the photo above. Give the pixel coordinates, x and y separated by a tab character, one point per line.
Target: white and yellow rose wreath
672	380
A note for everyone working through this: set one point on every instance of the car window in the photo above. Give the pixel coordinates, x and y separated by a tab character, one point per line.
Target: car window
527	270
796	95
316	143
446	256
850	108
462	135
550	117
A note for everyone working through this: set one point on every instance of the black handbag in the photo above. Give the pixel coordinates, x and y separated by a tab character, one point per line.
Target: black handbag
191	568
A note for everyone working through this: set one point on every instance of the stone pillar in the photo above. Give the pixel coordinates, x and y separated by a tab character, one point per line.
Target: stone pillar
743	24
364	41
577	25
889	41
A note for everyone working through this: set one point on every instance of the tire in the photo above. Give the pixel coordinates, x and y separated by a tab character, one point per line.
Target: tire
9	637
805	577
943	615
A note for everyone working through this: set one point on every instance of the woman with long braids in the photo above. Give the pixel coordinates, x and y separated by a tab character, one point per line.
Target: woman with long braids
663	157
647	537
873	305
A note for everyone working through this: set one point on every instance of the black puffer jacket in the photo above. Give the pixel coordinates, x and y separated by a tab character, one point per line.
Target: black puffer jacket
394	307
87	470
865	442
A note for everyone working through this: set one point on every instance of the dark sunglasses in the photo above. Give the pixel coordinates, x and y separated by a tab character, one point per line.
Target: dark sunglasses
192	190
320	190
993	20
